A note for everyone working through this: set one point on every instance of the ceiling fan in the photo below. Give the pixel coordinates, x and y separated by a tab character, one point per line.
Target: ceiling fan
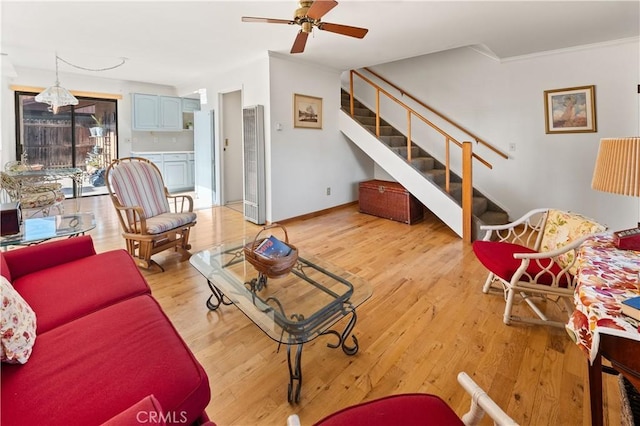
308	16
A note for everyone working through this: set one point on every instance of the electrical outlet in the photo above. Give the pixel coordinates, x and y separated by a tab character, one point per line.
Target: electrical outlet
328	190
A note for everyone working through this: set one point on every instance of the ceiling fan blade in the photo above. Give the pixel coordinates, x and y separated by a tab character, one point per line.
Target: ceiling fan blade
267	20
343	29
299	42
320	7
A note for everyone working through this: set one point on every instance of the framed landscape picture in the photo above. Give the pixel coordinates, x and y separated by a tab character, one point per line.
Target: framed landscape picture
571	110
307	111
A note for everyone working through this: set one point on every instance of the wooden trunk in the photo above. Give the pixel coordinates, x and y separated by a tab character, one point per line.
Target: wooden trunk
389	200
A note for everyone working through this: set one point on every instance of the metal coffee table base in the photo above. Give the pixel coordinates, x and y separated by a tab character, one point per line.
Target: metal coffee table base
295	367
294	362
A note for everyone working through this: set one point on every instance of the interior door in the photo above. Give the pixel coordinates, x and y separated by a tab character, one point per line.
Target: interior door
232	147
205	162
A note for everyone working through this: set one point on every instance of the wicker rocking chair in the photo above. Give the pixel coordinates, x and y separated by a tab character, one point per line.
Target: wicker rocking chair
151	218
534	256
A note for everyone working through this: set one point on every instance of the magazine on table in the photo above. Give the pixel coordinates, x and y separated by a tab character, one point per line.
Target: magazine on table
272	247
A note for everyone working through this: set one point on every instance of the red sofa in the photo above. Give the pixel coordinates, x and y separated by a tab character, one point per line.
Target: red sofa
104	349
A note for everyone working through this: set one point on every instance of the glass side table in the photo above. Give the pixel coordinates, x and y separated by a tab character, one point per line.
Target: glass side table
39	229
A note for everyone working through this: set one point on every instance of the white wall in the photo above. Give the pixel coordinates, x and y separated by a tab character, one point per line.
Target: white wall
305	162
128	140
503	103
301	163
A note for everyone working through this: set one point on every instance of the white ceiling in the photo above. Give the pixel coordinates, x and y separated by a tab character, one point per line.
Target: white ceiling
173	42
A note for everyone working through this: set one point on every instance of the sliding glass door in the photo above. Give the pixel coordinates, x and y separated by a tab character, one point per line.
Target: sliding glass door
82	136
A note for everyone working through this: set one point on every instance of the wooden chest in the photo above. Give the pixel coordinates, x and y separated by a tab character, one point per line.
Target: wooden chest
389	200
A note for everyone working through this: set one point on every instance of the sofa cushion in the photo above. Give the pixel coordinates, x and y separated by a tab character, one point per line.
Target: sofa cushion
68	291
17	325
120	355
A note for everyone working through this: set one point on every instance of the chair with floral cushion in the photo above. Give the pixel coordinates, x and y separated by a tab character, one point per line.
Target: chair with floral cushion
34	196
535	256
151	218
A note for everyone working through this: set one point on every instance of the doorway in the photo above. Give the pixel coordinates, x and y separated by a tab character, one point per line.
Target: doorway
81	136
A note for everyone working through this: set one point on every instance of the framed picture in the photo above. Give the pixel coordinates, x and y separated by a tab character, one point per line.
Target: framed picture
571	110
307	111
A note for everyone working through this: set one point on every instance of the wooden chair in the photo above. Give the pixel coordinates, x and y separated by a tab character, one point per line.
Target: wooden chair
151	218
416	409
535	256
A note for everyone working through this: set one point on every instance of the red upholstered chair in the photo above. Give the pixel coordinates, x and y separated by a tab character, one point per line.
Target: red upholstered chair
151	218
416	409
535	256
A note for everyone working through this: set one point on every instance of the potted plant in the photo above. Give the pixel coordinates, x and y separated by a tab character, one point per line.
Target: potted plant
97	130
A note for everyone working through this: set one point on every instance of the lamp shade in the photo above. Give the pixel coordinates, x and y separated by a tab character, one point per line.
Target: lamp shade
56	96
617	167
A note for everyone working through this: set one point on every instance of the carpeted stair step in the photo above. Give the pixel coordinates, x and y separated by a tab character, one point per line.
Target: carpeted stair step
437	176
395	140
366	121
402	151
363	112
384	130
423	163
493	217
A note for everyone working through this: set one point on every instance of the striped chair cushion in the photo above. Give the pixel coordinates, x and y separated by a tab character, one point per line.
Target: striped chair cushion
166	221
139	184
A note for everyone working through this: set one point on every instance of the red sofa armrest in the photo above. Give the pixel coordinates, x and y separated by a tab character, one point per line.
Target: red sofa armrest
146	411
30	259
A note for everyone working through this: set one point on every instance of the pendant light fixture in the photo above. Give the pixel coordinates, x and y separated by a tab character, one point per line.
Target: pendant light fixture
56	95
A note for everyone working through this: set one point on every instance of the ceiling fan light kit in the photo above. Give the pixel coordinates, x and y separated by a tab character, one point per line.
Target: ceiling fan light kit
307	16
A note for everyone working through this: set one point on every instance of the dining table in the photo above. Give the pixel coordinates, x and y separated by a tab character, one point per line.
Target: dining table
606	276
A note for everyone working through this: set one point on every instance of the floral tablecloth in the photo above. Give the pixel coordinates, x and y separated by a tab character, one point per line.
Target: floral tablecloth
606	276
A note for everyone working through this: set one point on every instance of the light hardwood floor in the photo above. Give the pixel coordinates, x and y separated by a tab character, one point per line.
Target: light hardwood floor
426	321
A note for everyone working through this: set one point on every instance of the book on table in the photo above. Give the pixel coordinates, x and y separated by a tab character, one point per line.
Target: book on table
272	247
631	307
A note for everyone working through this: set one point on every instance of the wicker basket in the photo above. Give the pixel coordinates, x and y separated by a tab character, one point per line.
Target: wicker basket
272	267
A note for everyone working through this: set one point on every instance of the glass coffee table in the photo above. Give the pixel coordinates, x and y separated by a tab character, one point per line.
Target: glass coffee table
291	310
40	229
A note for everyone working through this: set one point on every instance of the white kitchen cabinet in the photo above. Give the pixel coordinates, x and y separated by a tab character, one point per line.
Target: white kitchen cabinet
155	158
190	105
191	159
146	112
170	113
176	168
159	113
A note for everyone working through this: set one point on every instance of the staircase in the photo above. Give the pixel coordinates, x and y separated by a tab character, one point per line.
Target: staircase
433	172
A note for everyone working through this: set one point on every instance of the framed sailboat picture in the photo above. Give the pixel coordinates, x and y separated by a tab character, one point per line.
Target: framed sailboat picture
307	111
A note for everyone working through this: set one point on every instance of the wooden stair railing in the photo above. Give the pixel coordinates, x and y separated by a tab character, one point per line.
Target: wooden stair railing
439	114
467	151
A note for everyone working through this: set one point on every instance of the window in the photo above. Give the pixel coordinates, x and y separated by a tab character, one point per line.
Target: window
83	136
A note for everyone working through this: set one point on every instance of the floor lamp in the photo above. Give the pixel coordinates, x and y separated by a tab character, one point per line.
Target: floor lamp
617	171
